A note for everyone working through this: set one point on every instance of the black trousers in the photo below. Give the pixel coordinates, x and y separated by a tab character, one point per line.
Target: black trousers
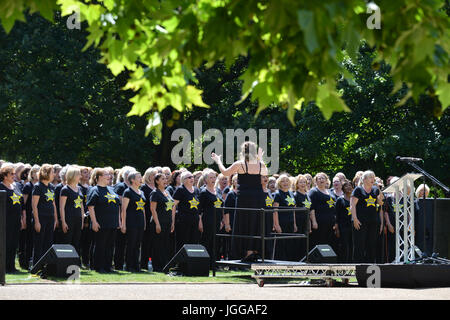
132	254
207	240
104	247
285	248
87	243
26	245
12	241
43	240
119	250
390	247
365	242
147	243
324	234
345	245
73	234
161	253
186	226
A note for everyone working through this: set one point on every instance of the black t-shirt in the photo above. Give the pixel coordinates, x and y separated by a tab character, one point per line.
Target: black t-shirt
163	206
84	192
323	206
208	202
285	200
230	202
14	202
135	209
147	192
171	190
366	208
74	201
46	199
58	189
302	201
28	189
106	204
343	213
120	188
189	203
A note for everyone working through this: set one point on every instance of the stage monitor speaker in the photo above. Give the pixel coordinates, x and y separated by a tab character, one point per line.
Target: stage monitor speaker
441	234
322	253
2	237
419	224
192	260
56	261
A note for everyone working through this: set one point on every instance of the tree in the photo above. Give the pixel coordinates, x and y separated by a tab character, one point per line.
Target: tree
295	47
59	104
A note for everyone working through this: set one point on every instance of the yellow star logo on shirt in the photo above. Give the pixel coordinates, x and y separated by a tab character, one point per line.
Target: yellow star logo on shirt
331	202
371	201
194	203
50	195
15	198
269	202
169	205
307	203
400	206
140	205
349	211
218	203
78	202
110	197
290	201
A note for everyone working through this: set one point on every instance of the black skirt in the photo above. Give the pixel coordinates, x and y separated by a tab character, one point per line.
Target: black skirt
248	222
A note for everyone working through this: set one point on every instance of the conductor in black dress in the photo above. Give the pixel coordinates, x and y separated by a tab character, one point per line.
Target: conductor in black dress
249	195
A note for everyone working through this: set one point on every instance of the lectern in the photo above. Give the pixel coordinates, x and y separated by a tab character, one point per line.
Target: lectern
403	189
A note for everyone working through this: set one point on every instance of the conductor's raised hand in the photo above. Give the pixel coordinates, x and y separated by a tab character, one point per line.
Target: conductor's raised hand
215	157
260	153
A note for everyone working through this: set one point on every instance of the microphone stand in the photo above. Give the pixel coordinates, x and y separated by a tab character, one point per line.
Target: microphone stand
434	256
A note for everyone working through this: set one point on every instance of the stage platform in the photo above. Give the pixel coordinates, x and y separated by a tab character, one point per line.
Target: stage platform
420	275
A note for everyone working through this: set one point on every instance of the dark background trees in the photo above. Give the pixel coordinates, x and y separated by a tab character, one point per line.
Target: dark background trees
60	105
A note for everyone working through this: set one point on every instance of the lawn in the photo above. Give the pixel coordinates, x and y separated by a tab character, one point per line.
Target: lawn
89	276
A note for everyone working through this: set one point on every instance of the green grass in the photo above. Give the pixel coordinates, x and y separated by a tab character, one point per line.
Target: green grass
89	276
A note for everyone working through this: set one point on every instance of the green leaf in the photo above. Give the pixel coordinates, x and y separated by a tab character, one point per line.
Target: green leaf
306	22
443	91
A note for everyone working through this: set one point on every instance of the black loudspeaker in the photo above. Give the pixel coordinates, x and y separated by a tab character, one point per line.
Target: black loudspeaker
322	253
437	234
56	261
192	260
2	237
419	224
441	234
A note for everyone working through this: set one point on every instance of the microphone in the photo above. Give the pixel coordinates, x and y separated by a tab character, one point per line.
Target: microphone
408	159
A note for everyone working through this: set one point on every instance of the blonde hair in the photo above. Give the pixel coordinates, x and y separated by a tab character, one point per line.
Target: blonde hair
219	177
96	172
33	171
298	178
421	188
249	151
366	174
322	174
281	178
6	168
71	173
148	174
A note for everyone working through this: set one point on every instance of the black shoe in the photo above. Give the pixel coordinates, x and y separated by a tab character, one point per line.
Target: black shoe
103	271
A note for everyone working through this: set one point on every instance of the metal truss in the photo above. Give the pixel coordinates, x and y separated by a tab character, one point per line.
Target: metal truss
327	272
404	222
